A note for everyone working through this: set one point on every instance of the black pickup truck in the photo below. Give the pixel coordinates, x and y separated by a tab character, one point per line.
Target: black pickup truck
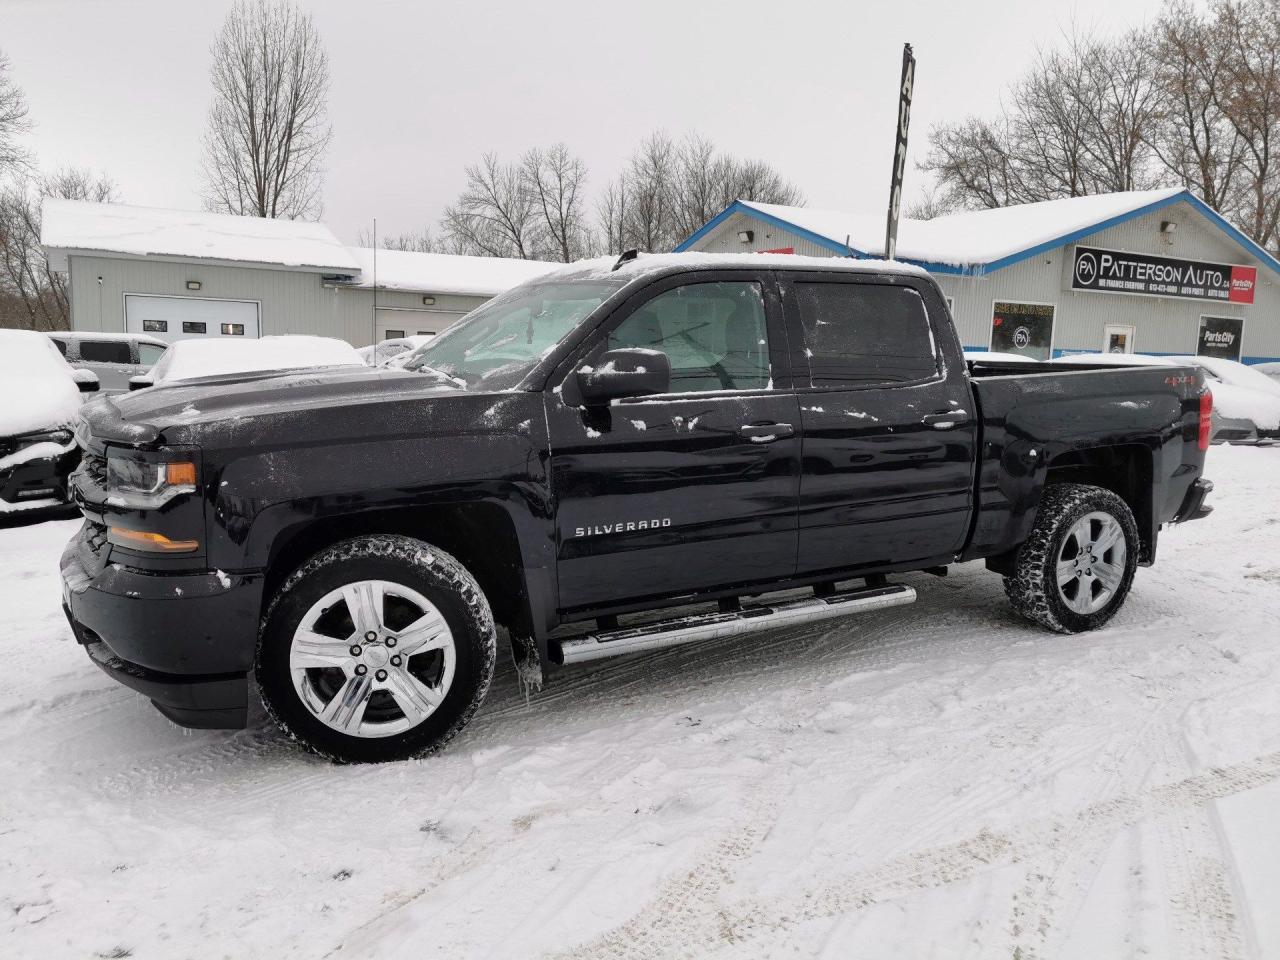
616	457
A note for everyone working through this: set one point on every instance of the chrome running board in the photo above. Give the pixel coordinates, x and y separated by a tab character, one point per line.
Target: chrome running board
717	626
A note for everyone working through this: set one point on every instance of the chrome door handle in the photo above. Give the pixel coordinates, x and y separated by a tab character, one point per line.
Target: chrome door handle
765	432
945	419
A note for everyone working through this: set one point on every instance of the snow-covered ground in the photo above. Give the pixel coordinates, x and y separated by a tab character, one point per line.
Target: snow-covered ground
936	780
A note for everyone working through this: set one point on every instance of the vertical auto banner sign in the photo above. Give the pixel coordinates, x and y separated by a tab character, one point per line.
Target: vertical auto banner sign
900	150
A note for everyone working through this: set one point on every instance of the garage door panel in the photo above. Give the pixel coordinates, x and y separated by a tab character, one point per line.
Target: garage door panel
185	318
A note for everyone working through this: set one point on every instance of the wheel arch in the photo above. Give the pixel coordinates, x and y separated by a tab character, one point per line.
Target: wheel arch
1127	470
481	535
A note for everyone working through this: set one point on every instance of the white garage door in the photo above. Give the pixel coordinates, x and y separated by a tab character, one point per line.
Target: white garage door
181	318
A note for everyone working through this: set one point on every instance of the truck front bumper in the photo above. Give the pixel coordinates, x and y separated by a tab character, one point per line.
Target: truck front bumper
183	639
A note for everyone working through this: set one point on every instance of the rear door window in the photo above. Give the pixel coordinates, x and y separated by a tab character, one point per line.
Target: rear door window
105	351
864	333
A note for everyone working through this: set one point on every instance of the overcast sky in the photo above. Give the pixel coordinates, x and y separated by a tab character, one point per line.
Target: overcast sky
420	89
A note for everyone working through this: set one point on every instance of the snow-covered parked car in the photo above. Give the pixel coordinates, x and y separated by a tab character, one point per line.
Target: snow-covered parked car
114	358
39	401
1245	407
1247	401
197	359
382	353
1270	369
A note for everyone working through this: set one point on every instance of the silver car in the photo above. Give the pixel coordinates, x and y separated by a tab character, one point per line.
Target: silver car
114	357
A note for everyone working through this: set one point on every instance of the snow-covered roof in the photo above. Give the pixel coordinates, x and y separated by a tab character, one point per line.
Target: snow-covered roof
444	272
977	241
117	228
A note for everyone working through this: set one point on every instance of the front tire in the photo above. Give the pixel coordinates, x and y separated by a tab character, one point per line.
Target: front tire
1075	569
378	648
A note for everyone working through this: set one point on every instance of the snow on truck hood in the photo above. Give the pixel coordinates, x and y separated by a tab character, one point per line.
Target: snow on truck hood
139	418
37	391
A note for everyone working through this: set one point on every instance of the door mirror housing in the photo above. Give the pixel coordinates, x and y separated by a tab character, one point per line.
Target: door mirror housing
86	380
622	373
140	382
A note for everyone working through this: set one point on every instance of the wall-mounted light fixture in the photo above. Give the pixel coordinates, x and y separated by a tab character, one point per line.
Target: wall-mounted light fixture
1167	229
193	284
746	236
428	301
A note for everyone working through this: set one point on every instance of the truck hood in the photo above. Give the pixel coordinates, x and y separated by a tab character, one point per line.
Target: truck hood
191	411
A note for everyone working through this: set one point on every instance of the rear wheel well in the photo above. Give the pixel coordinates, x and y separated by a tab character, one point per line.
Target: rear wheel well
480	536
1126	470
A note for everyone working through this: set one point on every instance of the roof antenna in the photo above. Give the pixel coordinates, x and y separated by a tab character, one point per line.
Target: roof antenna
627	257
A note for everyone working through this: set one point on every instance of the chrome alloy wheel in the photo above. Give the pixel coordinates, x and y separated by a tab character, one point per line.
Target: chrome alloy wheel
372	658
1091	562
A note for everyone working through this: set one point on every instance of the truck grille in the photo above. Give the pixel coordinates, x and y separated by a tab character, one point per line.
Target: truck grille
95	468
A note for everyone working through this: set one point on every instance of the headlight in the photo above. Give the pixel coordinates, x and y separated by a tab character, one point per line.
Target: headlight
137	483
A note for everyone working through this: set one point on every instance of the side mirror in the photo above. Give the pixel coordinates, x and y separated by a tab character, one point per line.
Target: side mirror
86	380
140	382
627	372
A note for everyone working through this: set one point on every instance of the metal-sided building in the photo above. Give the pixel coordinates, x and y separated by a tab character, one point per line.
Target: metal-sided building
176	274
1151	272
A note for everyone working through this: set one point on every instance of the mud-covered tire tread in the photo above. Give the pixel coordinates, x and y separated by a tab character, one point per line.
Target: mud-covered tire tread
1032	592
415	553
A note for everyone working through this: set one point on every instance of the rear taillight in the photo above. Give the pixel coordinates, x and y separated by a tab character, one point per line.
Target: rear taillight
1206	419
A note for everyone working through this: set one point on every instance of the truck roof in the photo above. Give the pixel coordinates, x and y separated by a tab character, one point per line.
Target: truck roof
649	263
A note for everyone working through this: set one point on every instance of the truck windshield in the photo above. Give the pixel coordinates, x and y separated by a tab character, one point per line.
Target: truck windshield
496	345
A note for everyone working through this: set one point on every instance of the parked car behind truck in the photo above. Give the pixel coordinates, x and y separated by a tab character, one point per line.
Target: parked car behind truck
583	454
114	358
39	402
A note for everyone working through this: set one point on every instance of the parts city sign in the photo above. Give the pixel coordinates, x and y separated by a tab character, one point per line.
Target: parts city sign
1114	271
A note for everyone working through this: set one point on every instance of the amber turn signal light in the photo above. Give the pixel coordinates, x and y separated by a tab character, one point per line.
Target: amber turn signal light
150	542
182	474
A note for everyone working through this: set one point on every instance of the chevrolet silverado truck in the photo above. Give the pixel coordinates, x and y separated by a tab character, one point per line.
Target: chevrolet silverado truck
616	457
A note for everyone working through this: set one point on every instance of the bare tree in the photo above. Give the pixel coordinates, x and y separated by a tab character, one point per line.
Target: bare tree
413	241
612	213
495	216
555	181
1192	136
650	175
13	119
268	127
1077	123
38	295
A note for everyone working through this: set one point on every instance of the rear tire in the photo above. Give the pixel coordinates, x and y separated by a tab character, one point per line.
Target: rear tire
377	648
1075	569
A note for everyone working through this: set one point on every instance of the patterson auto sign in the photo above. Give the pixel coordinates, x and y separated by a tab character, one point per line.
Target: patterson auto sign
1114	271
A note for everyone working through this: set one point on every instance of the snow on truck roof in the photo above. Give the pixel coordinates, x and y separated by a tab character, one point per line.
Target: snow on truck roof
142	231
978	241
603	267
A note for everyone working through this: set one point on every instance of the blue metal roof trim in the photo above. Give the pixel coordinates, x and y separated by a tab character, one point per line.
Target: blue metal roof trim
738	206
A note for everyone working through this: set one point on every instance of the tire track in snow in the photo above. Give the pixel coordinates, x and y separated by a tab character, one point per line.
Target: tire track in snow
689	918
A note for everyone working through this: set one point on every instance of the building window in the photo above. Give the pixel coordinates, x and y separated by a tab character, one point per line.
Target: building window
394	335
1220	337
193	326
155	326
1025	328
233	329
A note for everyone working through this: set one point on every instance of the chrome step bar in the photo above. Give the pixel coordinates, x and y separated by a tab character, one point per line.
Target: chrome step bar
717	626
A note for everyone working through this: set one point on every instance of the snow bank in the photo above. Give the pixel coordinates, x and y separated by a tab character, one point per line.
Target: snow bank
121	228
37	391
189	359
445	273
973	237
